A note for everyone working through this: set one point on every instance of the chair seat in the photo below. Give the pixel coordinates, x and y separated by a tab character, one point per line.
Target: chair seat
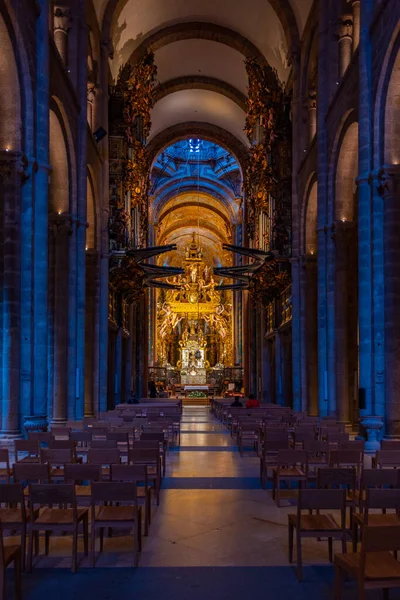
4	472
325	522
115	513
10	552
289	472
375	520
378	565
83	491
57	472
29	459
13	515
59	516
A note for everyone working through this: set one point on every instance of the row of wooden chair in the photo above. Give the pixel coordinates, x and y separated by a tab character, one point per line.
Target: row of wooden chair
374	566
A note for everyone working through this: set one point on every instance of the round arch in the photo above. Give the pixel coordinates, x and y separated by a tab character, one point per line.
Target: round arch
10	93
59	187
206	131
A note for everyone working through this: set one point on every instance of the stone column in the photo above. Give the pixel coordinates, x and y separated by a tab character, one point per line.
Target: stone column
35	241
278	369
390	192
61	231
312	115
356	22
62	25
12	174
345	37
310	332
91	332
342	323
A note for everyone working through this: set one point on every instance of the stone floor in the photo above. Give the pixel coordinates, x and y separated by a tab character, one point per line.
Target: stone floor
215	535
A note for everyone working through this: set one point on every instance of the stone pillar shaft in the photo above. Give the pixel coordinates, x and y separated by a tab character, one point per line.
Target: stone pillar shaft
345	37
312	116
390	191
62	24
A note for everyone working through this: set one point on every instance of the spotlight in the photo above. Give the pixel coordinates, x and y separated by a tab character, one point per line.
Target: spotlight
99	134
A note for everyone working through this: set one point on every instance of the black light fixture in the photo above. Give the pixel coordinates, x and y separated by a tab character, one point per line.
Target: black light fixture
99	134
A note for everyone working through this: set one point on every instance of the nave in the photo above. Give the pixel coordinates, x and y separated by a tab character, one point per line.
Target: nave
216	534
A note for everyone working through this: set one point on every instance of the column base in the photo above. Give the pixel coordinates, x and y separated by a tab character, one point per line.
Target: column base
35	423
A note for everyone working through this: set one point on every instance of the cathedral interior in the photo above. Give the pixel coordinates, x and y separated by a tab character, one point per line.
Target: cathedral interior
199	204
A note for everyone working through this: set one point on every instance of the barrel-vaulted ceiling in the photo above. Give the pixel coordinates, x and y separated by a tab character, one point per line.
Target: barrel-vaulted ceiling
200	47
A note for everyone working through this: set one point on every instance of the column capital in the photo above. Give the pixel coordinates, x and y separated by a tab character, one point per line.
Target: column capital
62	19
388	180
13	162
344	27
61	223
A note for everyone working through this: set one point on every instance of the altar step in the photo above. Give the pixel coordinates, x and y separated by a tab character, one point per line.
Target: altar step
195	402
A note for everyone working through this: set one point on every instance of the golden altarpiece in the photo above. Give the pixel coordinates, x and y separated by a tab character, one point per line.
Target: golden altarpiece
194	322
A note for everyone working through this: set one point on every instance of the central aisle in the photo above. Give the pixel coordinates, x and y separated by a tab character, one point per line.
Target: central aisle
213	511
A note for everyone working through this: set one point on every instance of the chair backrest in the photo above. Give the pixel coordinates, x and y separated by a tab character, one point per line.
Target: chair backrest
292	457
57	456
32	447
345	457
12	493
114	491
66	444
81	437
271	445
334	437
32	472
104	456
322	499
104	443
380	478
153	435
387	458
337	478
352	445
383	499
380	539
146	444
149	456
82	472
43	437
52	493
135	473
118	436
4	457
390	444
315	447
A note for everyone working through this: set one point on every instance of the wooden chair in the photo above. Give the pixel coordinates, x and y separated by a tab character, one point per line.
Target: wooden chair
13	514
317	525
138	475
43	437
150	457
30	447
103	443
357	445
10	555
27	473
247	434
341	478
62	433
269	455
374	567
105	458
115	516
154	445
376	478
381	499
318	456
292	465
5	471
51	519
78	474
122	439
57	458
62	444
82	440
347	458
390	444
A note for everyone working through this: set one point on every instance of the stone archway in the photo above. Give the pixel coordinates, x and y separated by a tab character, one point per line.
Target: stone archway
346	275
